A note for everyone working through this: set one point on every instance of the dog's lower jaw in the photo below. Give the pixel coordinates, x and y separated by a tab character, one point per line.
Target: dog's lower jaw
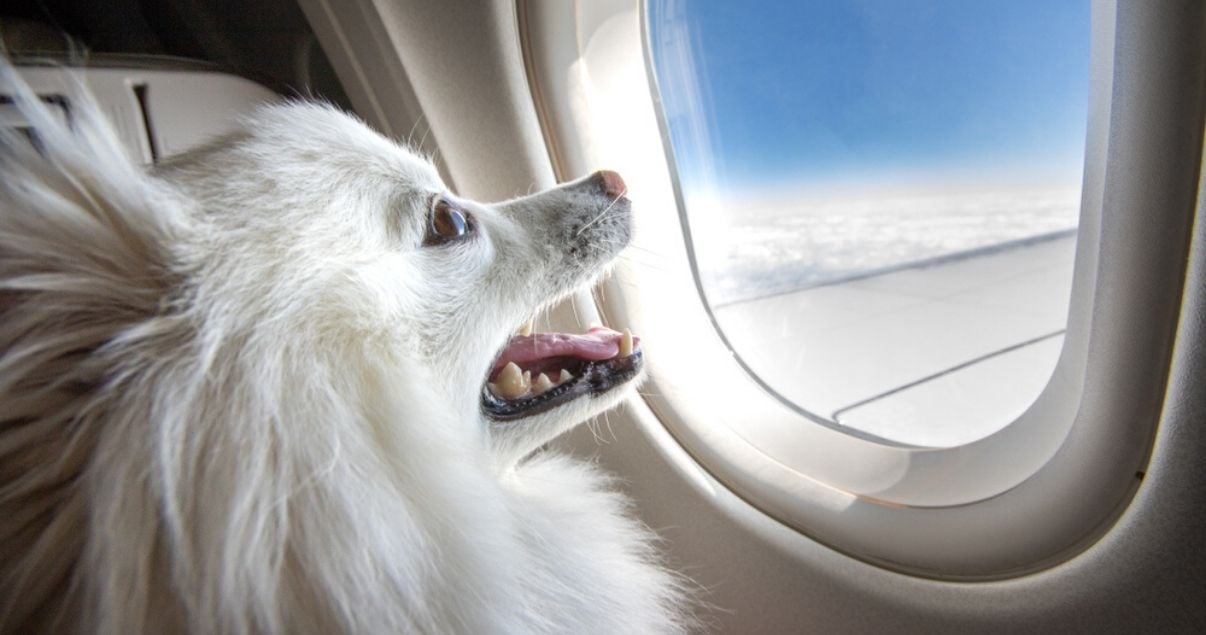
515	440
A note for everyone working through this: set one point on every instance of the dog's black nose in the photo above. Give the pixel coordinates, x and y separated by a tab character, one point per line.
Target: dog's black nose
612	183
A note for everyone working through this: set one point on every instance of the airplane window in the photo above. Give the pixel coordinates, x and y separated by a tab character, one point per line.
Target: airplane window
882	199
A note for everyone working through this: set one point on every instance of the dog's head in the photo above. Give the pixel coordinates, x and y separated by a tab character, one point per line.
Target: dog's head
334	234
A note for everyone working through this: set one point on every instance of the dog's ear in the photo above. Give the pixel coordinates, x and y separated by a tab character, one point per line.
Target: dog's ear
82	273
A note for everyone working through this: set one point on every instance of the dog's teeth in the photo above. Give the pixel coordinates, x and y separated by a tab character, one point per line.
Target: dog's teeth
565	376
626	343
493	387
542	384
526	329
511	382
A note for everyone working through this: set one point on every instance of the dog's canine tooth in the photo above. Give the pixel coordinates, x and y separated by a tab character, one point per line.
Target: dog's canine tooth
626	343
511	382
564	377
526	329
542	384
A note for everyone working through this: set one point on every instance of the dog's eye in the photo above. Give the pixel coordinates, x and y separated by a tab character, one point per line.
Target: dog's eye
448	223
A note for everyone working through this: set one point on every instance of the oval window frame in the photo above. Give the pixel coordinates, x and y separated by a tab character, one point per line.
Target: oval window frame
1042	487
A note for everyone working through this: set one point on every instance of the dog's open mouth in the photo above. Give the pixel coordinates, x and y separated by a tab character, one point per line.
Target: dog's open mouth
536	372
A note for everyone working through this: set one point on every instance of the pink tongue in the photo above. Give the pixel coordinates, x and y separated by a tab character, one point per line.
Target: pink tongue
596	344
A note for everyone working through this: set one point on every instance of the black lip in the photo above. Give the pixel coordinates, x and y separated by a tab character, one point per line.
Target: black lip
590	378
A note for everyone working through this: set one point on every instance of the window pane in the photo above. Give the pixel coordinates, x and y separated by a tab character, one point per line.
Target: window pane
883	198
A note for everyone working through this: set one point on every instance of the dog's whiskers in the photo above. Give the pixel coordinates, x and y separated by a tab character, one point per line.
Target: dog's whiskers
610	431
410	136
592	424
574	308
602	213
424	139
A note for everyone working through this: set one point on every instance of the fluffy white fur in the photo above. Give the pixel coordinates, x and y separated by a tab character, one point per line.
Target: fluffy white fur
237	395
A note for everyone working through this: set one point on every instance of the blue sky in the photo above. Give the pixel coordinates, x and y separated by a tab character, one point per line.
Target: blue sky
829	90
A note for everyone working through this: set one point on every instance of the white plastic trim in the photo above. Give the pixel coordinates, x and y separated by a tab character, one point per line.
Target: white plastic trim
157	111
1044	485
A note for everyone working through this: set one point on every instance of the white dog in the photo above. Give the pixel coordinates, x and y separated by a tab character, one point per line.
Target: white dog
272	387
